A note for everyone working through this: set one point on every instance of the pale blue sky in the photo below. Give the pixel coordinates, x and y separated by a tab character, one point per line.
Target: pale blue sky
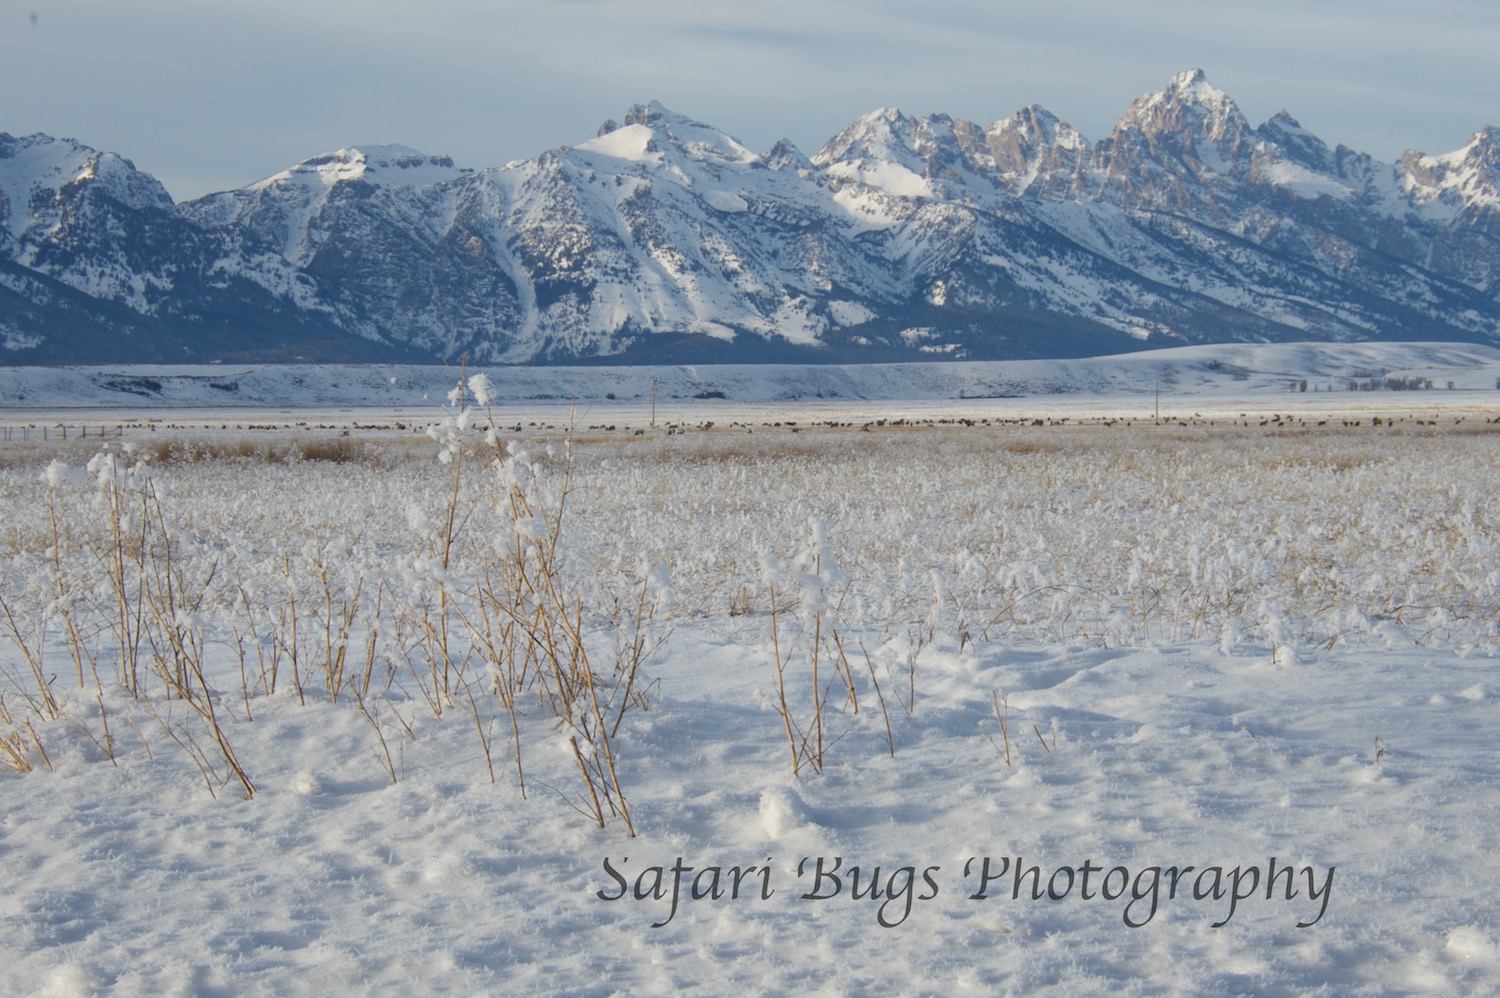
211	94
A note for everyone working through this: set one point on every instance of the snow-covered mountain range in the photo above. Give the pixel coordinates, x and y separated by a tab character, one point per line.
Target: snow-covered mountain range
663	239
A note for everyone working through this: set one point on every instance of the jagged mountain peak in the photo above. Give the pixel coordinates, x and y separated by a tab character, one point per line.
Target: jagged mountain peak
1194	81
905	155
882	116
41	161
1036	126
1468	177
1285	134
1189	131
40	172
785	155
668	128
377	165
890	127
1035	151
1188	107
879	133
1188	89
651	112
1482	149
1282	127
1033	119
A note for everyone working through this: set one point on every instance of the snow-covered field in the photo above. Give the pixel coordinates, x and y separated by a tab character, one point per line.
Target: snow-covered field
1187	376
1079	707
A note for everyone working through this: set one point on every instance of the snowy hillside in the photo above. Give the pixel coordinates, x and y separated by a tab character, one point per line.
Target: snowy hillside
1268	372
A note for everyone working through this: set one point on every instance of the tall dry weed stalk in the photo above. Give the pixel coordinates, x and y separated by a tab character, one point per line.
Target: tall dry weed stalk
156	600
808	656
523	618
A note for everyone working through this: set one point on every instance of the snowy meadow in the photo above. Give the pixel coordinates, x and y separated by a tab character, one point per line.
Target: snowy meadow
839	705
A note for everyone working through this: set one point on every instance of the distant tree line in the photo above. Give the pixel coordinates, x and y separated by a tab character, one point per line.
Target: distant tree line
1365	381
1391	383
1370	381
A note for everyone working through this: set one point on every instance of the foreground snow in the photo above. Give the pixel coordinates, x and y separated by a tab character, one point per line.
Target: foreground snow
1265	654
334	880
